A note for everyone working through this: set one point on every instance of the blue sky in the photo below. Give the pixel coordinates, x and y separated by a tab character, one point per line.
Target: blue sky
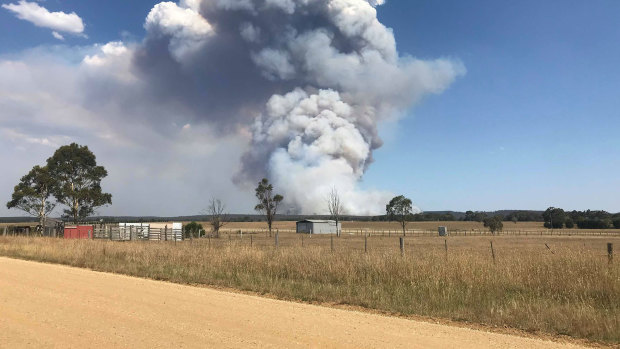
533	123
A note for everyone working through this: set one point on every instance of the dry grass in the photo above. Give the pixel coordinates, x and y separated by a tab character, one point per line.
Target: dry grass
572	291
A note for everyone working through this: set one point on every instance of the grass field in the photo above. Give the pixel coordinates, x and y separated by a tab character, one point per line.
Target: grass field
567	288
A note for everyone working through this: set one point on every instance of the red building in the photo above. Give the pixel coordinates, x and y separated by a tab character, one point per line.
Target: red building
79	232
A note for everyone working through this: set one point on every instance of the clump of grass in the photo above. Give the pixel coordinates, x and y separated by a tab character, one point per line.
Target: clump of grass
572	292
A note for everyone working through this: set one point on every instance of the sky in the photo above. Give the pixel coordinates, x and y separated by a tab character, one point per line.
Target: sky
480	105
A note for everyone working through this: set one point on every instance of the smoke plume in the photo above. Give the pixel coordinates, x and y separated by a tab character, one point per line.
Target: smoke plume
304	83
316	76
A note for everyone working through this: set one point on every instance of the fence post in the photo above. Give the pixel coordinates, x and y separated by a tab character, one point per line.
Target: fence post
332	242
445	241
302	240
366	243
492	252
166	233
251	240
277	239
4	232
549	248
402	246
610	252
130	232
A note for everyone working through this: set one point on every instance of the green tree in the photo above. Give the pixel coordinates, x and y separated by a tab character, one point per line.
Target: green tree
400	209
192	229
554	218
32	194
77	180
495	224
267	201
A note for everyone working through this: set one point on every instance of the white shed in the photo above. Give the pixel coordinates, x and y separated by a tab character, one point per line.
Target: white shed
312	226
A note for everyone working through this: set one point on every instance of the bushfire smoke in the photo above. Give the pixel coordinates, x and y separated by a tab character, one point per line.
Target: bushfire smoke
328	71
306	82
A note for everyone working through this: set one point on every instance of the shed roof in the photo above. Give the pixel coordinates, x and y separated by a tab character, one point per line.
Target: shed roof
317	221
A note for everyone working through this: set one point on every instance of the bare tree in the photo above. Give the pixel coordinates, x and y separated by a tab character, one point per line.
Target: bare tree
217	216
334	205
267	201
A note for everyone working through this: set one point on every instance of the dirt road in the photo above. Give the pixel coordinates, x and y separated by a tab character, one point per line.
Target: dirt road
44	305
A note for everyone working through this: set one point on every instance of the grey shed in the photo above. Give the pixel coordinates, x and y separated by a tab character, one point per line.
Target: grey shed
311	226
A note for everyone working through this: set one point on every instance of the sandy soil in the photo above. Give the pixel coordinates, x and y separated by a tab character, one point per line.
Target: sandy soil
43	305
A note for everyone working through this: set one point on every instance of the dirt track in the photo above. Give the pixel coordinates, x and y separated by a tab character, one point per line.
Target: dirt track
44	305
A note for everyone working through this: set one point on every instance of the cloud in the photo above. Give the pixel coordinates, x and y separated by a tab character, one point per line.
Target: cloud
17	136
57	35
41	17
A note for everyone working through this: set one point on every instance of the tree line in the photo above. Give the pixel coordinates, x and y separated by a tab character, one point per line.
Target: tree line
557	218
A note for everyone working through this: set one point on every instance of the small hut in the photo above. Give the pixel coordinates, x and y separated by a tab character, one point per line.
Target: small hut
312	226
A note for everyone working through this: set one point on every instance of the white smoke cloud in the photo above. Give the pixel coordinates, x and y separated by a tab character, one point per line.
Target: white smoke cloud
303	84
316	145
187	29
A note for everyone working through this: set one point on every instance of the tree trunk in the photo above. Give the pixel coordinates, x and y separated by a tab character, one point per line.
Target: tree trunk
269	225
42	216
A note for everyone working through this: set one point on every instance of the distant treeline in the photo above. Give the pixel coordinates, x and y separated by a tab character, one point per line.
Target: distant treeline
553	218
557	218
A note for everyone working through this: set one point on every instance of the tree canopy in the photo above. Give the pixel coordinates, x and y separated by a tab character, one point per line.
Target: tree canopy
77	181
400	209
495	223
268	202
32	194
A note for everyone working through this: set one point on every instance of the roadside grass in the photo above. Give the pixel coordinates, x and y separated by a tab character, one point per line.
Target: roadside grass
573	291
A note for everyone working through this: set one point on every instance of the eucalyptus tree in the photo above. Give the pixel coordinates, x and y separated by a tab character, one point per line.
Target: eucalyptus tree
77	181
268	202
32	194
400	209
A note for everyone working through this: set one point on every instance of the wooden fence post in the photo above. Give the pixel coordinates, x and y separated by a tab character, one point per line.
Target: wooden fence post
549	248
166	233
4	232
332	242
610	252
130	232
445	241
302	240
251	240
366	243
492	252
402	246
277	239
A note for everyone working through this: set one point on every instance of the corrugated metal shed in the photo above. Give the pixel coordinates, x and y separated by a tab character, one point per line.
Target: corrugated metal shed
315	226
78	232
